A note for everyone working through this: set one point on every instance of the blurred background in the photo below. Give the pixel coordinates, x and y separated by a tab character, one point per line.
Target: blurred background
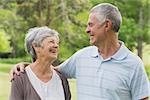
69	18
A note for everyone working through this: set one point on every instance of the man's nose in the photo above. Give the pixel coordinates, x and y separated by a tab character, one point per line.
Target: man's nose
87	30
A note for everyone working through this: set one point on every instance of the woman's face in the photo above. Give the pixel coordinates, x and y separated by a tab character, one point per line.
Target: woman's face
49	48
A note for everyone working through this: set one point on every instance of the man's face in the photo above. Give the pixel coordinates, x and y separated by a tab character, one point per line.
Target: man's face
95	29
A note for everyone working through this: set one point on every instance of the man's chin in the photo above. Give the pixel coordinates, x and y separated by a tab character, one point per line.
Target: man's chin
92	43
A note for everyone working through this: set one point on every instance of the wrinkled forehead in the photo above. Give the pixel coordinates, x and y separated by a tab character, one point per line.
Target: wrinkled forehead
92	18
52	38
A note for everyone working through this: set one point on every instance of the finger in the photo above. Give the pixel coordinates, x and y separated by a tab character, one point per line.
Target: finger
57	68
17	70
14	76
22	67
52	66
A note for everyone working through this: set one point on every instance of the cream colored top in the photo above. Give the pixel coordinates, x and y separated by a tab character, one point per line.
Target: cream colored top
51	90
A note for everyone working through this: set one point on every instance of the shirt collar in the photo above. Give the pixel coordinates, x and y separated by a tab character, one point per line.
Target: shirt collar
119	55
94	52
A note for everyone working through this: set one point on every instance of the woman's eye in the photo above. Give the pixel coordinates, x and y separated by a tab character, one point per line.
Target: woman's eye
51	42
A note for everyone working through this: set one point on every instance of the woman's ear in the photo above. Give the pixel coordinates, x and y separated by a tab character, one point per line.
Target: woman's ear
35	47
108	25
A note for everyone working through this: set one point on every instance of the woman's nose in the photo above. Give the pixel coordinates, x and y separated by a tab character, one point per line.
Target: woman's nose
56	45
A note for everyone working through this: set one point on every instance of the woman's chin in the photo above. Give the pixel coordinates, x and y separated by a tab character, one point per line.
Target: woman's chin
53	57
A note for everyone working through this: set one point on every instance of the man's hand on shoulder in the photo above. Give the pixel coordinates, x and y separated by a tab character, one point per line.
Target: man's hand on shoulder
17	69
56	68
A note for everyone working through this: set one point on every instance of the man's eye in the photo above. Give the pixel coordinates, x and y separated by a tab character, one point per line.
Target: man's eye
90	24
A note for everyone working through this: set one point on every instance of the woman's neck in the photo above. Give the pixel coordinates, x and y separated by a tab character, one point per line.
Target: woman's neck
42	69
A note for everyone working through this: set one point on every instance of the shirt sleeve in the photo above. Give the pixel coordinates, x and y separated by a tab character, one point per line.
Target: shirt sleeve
68	68
140	85
17	89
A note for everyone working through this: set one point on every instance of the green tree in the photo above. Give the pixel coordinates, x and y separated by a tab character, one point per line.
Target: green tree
4	42
13	27
69	18
139	24
63	15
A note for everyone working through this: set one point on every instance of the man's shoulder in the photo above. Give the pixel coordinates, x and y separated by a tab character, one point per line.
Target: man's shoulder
84	52
87	49
134	57
134	60
129	55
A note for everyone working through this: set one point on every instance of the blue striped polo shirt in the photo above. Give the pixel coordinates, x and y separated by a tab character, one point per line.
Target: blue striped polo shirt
120	77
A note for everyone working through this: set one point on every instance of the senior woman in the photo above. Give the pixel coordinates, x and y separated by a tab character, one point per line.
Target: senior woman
40	81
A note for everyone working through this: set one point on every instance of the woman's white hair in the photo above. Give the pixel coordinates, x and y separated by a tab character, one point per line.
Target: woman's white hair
37	35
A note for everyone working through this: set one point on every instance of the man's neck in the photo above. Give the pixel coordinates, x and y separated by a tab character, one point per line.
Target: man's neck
108	48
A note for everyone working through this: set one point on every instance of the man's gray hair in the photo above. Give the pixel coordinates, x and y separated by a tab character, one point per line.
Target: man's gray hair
108	11
37	35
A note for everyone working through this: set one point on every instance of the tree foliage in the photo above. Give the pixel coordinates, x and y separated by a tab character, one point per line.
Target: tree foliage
4	42
69	18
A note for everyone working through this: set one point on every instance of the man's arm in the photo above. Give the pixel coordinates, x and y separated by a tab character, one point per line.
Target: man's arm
17	69
140	86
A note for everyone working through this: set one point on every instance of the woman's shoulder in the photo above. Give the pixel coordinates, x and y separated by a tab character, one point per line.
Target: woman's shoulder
59	74
21	78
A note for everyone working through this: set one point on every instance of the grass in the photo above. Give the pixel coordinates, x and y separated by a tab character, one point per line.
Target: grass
4	86
14	60
146	55
72	84
5	83
5	67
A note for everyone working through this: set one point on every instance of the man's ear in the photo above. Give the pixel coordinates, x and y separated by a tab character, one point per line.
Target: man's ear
108	25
